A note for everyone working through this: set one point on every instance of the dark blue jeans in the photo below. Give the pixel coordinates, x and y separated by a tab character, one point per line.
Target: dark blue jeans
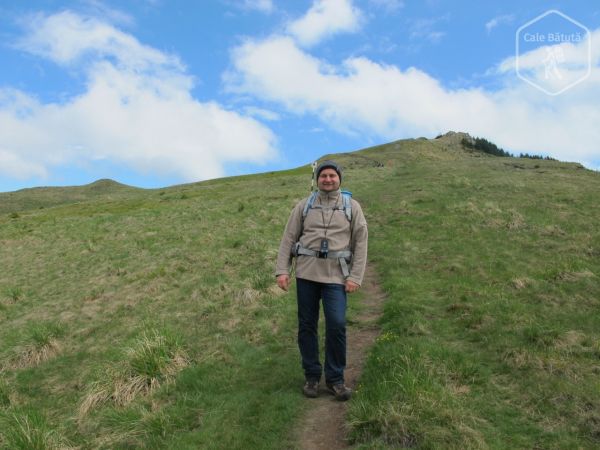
310	294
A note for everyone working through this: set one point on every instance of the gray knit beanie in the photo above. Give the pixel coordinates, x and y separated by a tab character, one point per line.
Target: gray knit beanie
329	164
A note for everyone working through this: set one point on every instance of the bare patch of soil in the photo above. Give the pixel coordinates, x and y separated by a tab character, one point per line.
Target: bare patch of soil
323	426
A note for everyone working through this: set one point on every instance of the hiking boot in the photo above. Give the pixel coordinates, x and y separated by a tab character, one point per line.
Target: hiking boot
340	390
311	389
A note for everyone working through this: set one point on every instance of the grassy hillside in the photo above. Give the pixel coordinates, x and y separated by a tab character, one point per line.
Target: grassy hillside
149	318
491	333
44	197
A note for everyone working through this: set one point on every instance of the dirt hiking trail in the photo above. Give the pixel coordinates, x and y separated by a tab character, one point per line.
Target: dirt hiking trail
323	425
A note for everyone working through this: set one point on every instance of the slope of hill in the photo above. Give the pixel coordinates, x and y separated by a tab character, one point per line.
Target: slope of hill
490	336
150	319
44	197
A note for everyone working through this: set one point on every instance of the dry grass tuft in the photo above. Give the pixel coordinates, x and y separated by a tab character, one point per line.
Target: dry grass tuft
33	355
467	208
248	295
153	360
521	283
459	389
521	359
553	230
571	339
231	323
126	390
275	291
516	221
99	394
574	276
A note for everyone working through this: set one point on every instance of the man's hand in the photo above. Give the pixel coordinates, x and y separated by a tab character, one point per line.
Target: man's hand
351	286
283	281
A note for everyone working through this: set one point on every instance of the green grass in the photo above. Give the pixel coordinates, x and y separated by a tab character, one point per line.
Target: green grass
160	325
27	429
187	261
39	198
491	328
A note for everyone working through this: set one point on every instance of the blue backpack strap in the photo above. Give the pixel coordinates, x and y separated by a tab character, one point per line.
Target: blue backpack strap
347	204
309	203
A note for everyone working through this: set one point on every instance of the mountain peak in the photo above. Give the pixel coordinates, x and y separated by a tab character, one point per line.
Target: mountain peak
105	184
456	137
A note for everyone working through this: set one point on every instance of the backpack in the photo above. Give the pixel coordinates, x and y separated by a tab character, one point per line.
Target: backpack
346	204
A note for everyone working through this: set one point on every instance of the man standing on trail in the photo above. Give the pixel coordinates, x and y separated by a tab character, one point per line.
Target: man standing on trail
327	234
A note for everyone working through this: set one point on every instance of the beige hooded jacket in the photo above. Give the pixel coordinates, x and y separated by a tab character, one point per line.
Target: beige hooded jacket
341	234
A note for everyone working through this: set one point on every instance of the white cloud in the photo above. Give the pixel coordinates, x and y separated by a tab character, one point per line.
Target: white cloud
323	19
365	97
99	9
499	20
265	6
426	29
136	110
20	168
262	6
262	113
388	5
67	37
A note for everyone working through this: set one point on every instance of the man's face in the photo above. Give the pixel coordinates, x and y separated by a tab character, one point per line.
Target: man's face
328	180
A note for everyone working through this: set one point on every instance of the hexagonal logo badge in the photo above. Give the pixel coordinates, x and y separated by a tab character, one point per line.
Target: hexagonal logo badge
553	52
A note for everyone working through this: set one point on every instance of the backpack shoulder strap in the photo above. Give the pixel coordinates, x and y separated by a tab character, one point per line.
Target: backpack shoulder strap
347	204
309	203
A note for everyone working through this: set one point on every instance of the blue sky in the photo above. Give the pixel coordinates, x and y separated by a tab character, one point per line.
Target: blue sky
153	93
